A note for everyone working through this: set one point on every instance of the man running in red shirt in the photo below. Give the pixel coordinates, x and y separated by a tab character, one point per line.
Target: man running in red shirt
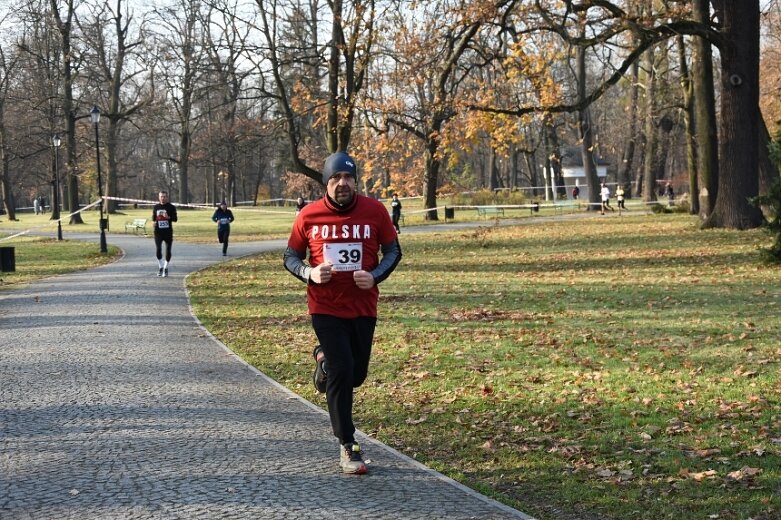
345	232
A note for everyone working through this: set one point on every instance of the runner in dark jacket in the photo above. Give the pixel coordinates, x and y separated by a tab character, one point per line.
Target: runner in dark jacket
223	217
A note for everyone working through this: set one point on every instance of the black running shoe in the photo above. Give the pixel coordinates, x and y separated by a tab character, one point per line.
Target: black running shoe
320	377
165	272
160	272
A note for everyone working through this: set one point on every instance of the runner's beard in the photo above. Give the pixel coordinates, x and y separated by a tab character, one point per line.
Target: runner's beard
343	196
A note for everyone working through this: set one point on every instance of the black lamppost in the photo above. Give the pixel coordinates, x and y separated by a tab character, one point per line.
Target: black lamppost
95	116
222	174
56	208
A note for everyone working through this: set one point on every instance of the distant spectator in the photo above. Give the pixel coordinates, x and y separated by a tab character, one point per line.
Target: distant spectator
576	192
668	190
396	211
300	203
37	205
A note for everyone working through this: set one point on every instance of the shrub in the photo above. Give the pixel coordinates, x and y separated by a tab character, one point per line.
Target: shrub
489	198
772	201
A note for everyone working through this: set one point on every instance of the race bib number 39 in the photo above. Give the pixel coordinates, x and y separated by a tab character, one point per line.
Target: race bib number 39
344	257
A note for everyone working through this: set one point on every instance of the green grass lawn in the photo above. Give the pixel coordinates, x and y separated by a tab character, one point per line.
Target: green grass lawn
599	368
39	257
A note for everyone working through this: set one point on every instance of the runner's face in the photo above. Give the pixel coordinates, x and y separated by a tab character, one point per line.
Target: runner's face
163	198
341	188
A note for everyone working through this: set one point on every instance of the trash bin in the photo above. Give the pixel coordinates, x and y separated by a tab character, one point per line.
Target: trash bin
450	213
7	259
104	224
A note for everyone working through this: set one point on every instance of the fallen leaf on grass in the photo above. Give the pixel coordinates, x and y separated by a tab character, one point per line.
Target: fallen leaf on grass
703	453
743	475
744	373
698	476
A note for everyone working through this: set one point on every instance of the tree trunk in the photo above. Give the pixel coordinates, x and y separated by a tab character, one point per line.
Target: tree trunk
493	168
688	120
586	135
768	172
5	185
72	170
625	170
112	145
651	154
738	149
553	148
704	116
432	177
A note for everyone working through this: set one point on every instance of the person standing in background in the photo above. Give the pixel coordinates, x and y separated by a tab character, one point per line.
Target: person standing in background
396	211
223	217
300	203
668	190
163	215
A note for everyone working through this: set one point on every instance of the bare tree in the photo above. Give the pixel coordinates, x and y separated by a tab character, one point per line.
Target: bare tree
225	50
704	115
349	50
116	85
7	67
690	126
585	130
64	21
180	67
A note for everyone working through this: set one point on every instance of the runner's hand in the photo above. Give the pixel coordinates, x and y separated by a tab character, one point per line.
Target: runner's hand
363	279
321	273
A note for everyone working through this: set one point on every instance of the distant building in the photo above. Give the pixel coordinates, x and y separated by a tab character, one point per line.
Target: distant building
572	170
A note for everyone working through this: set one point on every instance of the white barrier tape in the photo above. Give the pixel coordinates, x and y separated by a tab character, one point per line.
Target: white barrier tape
198	206
51	222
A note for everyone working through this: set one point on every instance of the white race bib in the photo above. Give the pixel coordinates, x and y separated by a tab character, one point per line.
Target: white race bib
163	224
344	257
224	221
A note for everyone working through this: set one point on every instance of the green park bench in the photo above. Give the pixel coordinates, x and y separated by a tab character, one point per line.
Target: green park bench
566	205
135	225
486	211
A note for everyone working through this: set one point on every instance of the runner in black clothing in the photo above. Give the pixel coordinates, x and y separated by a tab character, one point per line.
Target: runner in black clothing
396	211
223	217
163	214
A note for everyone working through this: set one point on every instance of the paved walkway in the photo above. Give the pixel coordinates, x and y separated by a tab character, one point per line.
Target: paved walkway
116	403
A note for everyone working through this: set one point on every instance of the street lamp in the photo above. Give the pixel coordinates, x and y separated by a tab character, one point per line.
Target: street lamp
222	175
56	141
94	114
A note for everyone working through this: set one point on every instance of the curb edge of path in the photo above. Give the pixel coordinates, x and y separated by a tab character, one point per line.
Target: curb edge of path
374	442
